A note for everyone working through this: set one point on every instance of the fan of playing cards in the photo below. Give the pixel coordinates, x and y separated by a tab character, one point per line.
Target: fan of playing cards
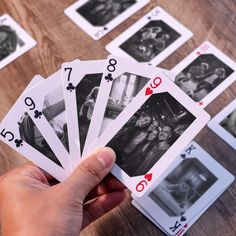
137	110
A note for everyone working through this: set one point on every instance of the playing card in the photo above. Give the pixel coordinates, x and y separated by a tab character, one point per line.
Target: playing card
147	136
122	80
46	106
81	81
204	74
19	132
151	39
223	124
192	182
14	41
97	18
181	231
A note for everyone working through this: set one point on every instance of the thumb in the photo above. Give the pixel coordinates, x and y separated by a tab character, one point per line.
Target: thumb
90	172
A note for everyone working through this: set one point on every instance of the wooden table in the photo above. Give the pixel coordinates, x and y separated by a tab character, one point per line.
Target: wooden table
60	40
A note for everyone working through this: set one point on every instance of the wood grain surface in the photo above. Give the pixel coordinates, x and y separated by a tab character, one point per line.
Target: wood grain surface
60	40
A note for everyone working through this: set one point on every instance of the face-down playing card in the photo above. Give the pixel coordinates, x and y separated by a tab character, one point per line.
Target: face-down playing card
97	18
148	135
223	124
14	41
81	81
185	190
46	106
151	39
205	73
122	80
19	132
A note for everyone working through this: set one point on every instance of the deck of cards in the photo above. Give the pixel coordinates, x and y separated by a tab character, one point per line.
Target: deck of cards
147	115
137	110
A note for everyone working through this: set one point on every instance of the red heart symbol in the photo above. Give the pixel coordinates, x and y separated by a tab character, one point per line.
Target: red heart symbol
200	103
148	91
148	177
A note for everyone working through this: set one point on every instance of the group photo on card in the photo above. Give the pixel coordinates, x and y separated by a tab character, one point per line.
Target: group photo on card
150	133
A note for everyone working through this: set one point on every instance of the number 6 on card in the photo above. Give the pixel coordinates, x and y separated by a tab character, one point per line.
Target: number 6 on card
149	134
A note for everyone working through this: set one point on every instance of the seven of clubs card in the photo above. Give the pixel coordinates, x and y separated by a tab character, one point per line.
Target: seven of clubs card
97	18
81	81
151	39
48	113
14	41
204	74
223	124
18	130
122	80
155	126
190	185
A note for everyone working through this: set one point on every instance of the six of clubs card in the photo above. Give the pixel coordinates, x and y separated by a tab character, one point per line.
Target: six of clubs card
148	135
192	182
151	39
97	18
19	132
205	73
122	80
48	113
223	124
14	41
81	81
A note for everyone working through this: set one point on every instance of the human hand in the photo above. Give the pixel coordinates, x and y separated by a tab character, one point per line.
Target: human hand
30	205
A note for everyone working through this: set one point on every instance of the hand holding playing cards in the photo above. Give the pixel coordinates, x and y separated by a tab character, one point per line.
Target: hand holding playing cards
29	205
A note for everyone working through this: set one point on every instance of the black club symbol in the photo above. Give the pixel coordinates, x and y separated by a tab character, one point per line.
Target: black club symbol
70	87
37	114
18	142
109	78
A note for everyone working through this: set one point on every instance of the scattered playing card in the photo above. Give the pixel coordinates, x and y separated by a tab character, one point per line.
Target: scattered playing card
81	81
97	18
46	106
186	189
14	41
205	73
19	132
122	80
148	135
151	39
223	124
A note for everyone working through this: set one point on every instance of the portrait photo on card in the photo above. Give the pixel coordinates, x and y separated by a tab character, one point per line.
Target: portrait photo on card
10	41
202	76
54	111
123	90
149	133
183	187
229	123
100	13
31	135
150	40
86	95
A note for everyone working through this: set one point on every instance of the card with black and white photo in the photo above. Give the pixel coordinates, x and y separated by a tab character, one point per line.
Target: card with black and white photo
18	131
223	124
205	73
81	81
14	41
46	106
122	80
147	136
189	185
151	39
97	18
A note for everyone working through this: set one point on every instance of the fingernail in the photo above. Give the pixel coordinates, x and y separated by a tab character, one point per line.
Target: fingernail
107	157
